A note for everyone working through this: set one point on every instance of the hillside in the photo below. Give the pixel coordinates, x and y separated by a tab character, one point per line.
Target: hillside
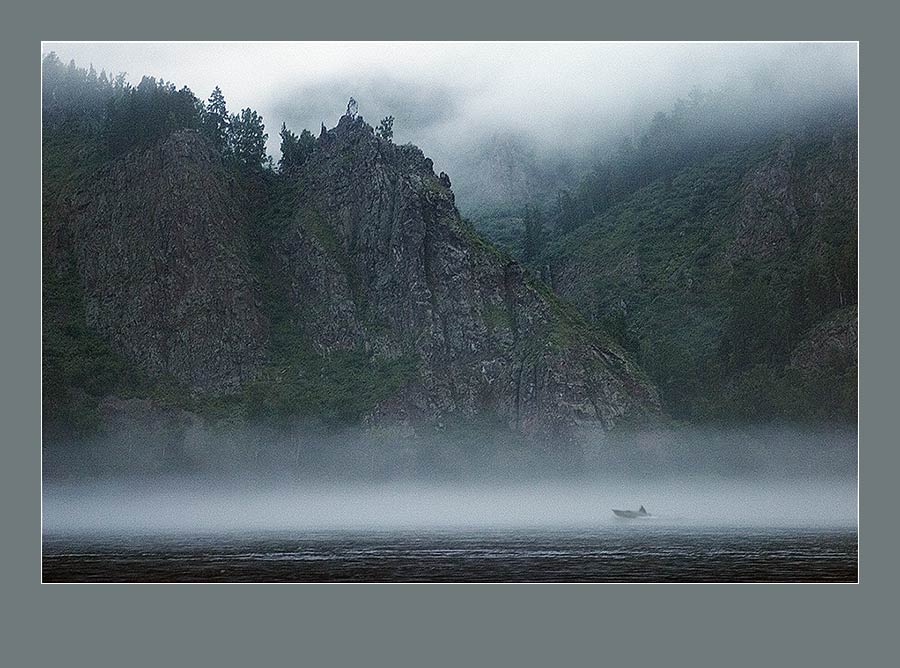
182	271
718	271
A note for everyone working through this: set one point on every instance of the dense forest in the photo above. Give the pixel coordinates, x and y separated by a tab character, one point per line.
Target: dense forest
720	254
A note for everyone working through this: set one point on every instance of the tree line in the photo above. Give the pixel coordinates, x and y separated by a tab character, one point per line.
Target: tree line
117	117
695	128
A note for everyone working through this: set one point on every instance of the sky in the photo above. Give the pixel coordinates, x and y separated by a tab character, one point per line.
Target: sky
446	96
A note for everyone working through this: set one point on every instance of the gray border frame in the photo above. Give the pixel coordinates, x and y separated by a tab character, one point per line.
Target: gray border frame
720	625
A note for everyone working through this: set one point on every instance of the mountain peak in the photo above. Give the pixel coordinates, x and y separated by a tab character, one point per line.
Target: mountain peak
380	260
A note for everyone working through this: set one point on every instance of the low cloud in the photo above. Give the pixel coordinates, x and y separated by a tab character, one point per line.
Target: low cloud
448	98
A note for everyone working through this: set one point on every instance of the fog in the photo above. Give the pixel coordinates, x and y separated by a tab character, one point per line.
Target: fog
756	477
469	106
203	506
463	103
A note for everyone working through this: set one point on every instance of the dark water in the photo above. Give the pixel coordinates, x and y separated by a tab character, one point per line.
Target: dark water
626	553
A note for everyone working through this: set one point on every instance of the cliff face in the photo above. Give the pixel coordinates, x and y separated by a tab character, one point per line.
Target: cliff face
379	258
832	343
789	194
372	259
156	237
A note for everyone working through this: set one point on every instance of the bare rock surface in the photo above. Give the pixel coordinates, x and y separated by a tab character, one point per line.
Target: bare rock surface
158	247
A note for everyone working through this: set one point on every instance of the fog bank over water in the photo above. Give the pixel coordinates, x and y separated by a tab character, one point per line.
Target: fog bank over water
762	477
206	506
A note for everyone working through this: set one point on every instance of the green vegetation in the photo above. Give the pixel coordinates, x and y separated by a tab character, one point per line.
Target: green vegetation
496	316
385	129
340	387
644	248
78	366
568	325
107	116
295	149
504	228
246	141
467	229
337	387
90	119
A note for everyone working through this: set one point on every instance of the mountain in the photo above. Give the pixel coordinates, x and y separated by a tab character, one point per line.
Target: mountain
729	271
345	289
505	170
378	259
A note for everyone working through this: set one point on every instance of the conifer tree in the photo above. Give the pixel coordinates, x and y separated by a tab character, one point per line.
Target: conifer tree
385	129
215	120
533	232
247	139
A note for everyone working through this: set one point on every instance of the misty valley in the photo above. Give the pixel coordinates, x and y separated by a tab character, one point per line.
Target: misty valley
547	346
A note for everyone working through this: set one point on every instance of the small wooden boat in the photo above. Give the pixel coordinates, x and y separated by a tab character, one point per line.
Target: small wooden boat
631	514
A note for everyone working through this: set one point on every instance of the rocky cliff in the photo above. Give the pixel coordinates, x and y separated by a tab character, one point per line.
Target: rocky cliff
378	258
831	343
156	238
369	257
790	193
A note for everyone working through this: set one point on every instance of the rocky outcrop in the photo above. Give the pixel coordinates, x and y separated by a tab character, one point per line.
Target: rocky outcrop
379	258
157	241
832	344
786	191
373	258
767	218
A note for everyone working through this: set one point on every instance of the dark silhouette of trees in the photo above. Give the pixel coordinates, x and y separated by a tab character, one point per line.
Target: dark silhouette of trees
247	135
385	129
137	116
533	233
294	149
216	121
289	149
107	116
74	96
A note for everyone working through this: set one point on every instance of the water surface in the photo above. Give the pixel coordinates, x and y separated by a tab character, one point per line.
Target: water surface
626	552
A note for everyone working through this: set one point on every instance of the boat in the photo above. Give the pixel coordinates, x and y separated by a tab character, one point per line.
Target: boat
631	514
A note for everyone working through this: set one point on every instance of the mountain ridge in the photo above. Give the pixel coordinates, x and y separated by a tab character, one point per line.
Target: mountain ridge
367	279
712	273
